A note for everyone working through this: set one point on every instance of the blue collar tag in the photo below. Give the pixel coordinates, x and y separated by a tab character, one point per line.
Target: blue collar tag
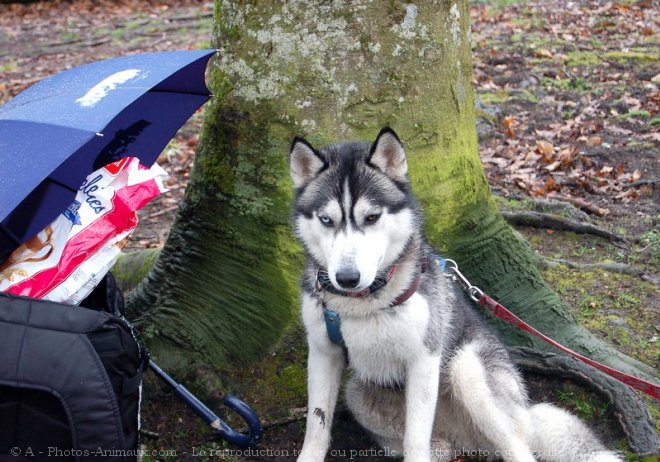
333	326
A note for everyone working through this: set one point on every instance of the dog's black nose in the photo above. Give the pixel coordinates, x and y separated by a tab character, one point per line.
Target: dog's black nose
348	279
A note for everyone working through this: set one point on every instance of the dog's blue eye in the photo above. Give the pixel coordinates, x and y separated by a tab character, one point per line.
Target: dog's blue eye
373	218
325	220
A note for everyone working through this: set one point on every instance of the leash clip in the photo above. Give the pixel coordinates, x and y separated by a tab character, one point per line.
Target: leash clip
454	273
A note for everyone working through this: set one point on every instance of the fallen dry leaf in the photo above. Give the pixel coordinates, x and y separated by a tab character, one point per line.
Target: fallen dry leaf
568	155
543	53
546	149
553	166
594	140
647	31
551	185
620	170
627	196
509	122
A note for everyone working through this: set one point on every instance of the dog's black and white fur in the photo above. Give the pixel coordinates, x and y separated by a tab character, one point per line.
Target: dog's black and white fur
429	379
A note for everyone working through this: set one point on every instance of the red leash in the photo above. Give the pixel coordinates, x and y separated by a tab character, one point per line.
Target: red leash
502	313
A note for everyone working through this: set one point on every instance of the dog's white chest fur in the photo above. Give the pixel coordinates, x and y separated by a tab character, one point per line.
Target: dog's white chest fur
380	344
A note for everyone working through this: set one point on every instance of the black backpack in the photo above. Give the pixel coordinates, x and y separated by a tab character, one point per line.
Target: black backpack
69	379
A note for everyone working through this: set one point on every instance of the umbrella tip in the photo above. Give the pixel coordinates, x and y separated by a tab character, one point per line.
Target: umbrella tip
99	134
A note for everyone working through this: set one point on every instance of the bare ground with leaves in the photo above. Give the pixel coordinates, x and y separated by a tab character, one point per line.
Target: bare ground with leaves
569	111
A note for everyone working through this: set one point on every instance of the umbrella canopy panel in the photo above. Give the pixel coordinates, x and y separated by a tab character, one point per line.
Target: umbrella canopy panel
58	131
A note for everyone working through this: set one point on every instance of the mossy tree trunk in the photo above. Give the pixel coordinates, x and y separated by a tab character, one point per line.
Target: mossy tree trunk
224	286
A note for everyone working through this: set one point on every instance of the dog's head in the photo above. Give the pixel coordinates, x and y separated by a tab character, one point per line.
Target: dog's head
353	212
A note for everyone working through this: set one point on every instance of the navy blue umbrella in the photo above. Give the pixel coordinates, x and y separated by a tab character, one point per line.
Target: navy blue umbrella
61	129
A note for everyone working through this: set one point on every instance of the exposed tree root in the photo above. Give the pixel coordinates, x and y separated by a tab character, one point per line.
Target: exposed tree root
565	209
611	267
650	182
296	415
581	204
551	221
630	411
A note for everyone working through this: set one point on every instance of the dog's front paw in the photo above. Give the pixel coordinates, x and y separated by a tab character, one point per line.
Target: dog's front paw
417	456
309	454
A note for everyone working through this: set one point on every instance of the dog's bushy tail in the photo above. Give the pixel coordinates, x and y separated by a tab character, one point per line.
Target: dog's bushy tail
560	436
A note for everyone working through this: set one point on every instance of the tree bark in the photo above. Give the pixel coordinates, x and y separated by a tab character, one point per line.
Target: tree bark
225	283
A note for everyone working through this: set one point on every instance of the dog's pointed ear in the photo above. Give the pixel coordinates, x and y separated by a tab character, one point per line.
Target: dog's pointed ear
304	161
388	156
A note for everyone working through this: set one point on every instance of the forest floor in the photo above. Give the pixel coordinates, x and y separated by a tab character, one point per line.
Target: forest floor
569	126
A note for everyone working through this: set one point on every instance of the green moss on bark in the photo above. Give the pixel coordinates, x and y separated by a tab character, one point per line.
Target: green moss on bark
131	268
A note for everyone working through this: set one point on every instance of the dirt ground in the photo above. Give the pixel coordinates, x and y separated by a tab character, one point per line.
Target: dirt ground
568	109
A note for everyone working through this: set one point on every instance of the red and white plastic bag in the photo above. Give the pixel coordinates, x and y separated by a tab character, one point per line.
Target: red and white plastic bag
66	260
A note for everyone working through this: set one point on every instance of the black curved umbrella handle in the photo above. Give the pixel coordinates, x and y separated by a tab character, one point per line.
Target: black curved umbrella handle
232	402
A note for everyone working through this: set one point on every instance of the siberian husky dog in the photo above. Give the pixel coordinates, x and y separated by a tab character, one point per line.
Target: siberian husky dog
429	380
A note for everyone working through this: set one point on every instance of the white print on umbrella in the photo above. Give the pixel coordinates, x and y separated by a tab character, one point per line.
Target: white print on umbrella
105	86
